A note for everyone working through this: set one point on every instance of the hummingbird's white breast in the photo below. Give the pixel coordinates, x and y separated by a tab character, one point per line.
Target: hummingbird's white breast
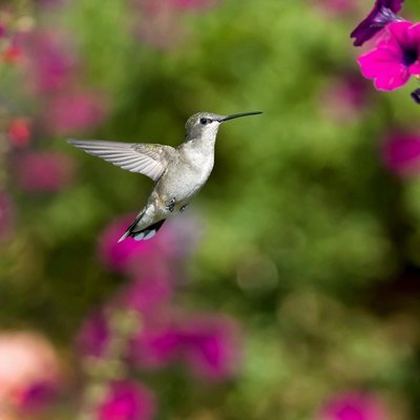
188	173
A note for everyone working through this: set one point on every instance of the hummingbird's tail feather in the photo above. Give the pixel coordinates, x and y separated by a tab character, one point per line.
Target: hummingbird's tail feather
143	234
148	232
125	236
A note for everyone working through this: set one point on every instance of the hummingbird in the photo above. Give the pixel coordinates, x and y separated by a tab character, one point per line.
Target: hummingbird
178	172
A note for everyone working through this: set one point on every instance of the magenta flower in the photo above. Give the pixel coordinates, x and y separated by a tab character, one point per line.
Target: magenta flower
51	63
38	396
401	154
19	132
354	406
156	346
94	335
345	98
381	15
395	58
74	111
127	400
207	345
130	256
44	171
146	295
150	258
211	347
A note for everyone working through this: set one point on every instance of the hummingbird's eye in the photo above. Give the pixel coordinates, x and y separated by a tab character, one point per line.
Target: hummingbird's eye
205	121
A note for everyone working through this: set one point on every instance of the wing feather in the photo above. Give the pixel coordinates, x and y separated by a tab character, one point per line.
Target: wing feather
148	159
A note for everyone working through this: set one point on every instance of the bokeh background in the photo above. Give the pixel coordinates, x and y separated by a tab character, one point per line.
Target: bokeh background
290	287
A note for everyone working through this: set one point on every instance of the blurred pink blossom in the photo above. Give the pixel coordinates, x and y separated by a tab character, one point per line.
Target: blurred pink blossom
44	171
94	335
29	365
6	216
146	257
155	346
345	98
19	132
146	295
51	62
74	111
211	346
354	405
207	344
160	21
13	54
127	400
401	153
336	7
37	396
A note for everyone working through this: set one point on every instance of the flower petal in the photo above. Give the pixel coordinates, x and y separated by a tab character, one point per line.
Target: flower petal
394	79
394	5
378	62
415	68
399	31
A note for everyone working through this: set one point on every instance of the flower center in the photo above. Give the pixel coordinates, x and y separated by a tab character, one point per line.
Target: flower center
410	56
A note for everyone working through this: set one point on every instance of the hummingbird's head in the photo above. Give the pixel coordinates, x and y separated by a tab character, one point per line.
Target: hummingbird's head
206	124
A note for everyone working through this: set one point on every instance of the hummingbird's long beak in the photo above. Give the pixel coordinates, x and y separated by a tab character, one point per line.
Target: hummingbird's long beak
241	114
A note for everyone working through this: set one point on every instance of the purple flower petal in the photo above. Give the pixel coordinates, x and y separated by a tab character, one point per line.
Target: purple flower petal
127	400
394	59
354	406
211	347
38	395
44	171
94	335
401	154
383	13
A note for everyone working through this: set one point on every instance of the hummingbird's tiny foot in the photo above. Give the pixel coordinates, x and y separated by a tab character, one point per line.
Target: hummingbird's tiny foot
171	205
184	207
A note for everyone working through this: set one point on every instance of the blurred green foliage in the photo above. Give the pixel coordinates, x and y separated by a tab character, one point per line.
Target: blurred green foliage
307	240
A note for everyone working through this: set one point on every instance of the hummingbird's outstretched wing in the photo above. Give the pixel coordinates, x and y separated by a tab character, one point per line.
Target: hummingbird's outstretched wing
148	159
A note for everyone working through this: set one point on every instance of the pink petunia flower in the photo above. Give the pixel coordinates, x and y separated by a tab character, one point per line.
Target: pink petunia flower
51	62
156	346
74	111
345	98
127	400
94	334
19	132
44	171
131	256
207	344
395	58
354	405
401	153
211	346
146	295
174	242
30	371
